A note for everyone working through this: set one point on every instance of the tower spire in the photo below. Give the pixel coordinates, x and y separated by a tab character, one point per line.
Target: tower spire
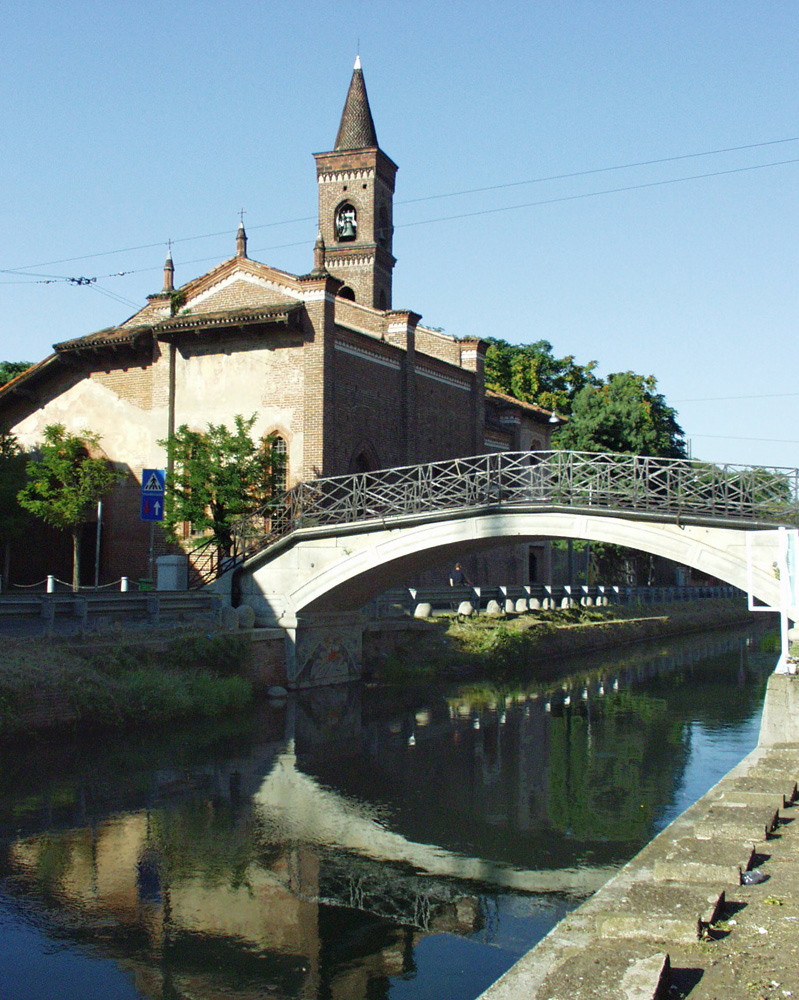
356	191
241	238
319	254
169	271
357	129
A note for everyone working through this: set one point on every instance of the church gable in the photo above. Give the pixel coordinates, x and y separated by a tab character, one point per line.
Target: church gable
238	291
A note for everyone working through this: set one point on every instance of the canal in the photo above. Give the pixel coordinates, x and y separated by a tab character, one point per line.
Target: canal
358	842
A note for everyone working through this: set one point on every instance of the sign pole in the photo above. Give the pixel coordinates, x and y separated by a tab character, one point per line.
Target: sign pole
152	548
152	506
97	544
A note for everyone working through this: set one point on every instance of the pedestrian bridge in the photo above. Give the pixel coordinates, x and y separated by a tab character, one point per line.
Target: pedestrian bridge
328	546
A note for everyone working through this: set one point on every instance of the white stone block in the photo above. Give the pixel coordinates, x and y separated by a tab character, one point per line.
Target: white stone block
246	616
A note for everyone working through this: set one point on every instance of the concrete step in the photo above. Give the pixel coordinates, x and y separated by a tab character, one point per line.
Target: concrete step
662	912
692	862
771	782
742	822
622	970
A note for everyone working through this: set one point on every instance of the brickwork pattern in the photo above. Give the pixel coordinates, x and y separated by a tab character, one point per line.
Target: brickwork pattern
241	294
438	345
368	405
365	180
133	383
443	425
357	317
260	372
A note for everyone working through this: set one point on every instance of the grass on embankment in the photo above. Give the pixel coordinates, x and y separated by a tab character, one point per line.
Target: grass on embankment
120	683
454	646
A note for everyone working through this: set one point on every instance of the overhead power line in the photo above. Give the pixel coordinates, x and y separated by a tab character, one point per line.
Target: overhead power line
600	170
22	269
595	194
736	437
719	399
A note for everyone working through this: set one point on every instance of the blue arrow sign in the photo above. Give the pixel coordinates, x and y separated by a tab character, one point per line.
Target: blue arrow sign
152	495
152	507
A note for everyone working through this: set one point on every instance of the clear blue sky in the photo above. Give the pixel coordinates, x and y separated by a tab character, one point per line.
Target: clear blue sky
129	124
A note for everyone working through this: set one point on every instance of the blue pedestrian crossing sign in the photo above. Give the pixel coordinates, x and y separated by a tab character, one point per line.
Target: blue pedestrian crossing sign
152	495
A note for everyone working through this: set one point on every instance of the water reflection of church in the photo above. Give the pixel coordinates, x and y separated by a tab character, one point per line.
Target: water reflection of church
321	857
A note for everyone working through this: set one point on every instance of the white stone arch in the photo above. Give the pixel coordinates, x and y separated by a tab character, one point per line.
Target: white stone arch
342	571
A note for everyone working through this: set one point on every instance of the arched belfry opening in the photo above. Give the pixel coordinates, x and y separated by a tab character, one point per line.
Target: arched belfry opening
346	223
345	292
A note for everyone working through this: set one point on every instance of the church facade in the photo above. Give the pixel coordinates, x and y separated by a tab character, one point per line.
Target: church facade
345	381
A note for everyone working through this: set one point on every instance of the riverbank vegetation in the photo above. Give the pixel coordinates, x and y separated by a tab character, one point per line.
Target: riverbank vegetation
120	684
123	682
453	646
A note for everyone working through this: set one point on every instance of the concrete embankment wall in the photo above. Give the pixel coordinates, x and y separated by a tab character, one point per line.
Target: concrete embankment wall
408	637
658	923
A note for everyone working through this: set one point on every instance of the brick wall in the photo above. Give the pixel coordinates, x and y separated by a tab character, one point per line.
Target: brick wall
133	383
368	385
259	372
444	426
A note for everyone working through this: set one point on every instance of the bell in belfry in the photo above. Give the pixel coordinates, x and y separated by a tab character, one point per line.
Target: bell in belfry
346	223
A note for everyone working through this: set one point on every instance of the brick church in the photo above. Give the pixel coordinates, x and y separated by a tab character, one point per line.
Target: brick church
346	381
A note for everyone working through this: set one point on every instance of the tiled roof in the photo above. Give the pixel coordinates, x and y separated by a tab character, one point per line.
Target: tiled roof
538	412
357	130
109	337
235	317
116	336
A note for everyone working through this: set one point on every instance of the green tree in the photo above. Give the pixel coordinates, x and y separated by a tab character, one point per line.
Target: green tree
65	482
10	369
12	478
624	414
217	476
531	373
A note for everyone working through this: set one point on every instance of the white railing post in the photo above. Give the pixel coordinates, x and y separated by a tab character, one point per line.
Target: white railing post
50	584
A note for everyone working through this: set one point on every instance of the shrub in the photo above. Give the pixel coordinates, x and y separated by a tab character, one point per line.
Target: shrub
223	654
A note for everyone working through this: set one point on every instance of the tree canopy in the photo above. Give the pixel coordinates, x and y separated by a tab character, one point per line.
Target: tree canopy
64	482
12	478
217	476
531	373
10	369
623	414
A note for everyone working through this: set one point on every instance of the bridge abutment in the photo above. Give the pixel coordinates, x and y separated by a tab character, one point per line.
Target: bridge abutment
323	648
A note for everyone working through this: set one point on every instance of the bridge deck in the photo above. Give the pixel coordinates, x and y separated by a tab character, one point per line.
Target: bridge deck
667	490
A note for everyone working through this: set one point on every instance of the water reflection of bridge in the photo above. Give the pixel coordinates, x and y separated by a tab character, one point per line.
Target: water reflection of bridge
265	858
301	809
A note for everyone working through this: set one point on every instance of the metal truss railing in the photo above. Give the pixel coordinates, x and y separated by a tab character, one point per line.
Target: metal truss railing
662	488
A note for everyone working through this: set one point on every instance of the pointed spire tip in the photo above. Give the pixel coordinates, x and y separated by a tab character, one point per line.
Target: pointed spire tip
357	129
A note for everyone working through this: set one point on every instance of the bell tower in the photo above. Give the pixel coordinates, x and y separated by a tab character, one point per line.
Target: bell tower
356	192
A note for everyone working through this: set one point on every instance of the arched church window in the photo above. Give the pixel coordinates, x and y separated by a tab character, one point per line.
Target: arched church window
345	292
364	460
280	461
346	223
